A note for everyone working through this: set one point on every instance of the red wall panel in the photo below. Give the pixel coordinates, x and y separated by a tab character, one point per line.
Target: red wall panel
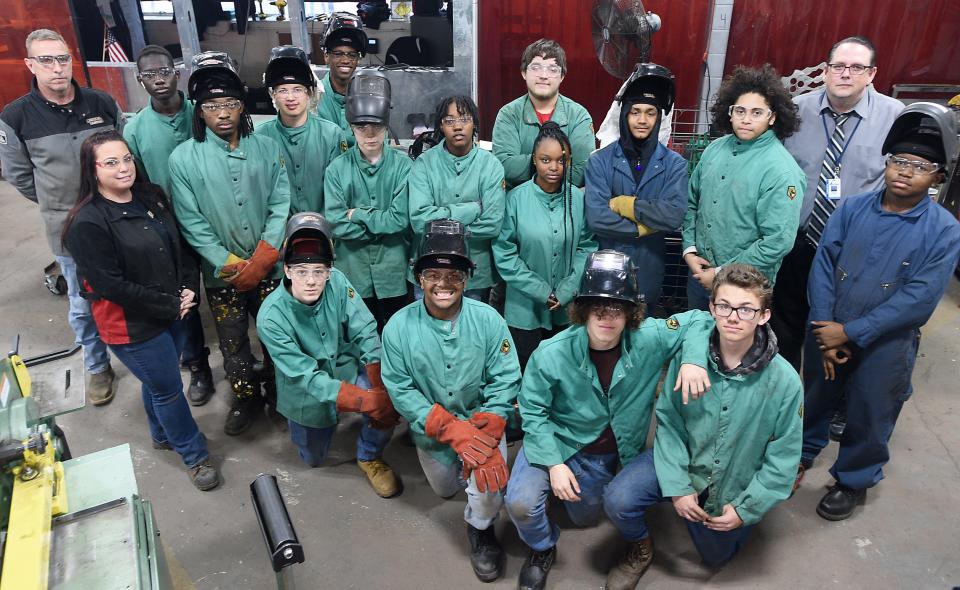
918	42
506	28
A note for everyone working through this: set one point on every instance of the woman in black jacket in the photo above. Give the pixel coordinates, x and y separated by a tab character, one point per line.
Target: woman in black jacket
124	238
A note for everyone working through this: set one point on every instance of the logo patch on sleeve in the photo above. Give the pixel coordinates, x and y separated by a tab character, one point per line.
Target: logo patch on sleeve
350	292
3	138
791	192
672	323
505	347
343	145
801	411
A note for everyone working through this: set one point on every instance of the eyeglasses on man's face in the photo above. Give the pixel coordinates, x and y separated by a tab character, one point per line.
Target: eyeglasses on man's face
855	69
916	166
151	75
303	273
296	91
341	55
744	313
47	61
216	107
550	71
609	310
451	277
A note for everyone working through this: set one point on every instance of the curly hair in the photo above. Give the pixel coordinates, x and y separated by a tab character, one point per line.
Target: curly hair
579	311
764	81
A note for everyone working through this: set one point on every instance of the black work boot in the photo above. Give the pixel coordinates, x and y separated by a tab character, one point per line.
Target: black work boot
243	412
201	383
533	574
838	503
486	555
837	425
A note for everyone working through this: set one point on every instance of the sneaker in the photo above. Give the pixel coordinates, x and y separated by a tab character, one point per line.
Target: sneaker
204	475
381	477
533	574
626	574
201	383
486	555
100	387
242	414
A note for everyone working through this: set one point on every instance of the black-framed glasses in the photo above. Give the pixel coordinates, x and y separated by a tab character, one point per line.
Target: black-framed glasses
216	107
917	166
47	60
150	75
855	69
744	313
350	55
451	277
451	121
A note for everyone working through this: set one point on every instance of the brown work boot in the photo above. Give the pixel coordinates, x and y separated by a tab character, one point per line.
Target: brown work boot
382	478
626	574
204	475
100	387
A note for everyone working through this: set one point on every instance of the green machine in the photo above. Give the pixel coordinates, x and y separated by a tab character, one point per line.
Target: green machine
67	523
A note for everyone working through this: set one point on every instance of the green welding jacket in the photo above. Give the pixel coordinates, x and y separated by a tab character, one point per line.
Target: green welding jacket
307	343
227	201
517	127
307	151
152	137
542	248
466	365
744	203
371	245
742	439
469	189
564	407
332	108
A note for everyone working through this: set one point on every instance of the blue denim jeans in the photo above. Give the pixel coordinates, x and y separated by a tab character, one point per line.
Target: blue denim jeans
623	497
156	363
446	480
96	358
314	443
194	341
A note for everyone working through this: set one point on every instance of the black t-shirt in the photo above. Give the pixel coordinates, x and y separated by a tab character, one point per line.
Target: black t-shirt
605	361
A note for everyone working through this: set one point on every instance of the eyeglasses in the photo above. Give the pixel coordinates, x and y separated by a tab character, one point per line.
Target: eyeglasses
367	128
917	166
855	69
451	121
350	55
301	273
612	310
451	277
216	107
296	91
550	71
47	60
150	75
114	163
744	313
743	113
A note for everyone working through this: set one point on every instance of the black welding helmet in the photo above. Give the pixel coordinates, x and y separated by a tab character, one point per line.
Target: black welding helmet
609	274
368	98
925	129
308	239
213	75
444	245
344	28
649	83
288	65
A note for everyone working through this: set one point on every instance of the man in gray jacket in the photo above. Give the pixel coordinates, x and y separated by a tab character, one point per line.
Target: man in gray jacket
40	137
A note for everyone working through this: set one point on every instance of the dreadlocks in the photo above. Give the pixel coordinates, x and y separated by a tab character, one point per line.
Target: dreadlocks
245	127
465	106
551	130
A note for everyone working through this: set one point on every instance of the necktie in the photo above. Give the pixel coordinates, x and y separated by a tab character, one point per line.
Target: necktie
822	206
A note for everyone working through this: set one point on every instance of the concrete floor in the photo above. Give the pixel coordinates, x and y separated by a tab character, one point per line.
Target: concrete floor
905	537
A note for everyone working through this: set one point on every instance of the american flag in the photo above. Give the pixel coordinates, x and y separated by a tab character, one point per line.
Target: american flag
112	47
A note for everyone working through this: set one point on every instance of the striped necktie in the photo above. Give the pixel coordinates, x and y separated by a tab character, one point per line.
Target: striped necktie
823	206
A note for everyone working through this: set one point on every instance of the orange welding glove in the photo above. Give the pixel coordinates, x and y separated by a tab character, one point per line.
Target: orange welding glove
473	446
259	266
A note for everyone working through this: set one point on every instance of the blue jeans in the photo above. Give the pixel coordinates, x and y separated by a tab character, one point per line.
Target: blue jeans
96	359
194	343
716	548
156	363
697	296
314	443
624	497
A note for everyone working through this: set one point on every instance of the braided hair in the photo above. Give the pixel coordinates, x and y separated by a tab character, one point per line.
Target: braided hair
465	106
244	128
551	130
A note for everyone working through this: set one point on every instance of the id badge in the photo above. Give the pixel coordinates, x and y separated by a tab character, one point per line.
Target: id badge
833	189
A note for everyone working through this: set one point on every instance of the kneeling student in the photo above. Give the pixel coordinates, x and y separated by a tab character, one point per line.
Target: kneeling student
586	402
306	325
727	458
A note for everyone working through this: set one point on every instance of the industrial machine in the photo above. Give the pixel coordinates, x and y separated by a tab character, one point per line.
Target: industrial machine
67	523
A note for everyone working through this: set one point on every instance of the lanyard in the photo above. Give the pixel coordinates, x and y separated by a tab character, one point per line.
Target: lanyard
846	142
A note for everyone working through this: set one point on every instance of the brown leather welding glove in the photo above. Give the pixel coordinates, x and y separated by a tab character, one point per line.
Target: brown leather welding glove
489	424
381	421
259	266
492	476
233	265
373	402
473	446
